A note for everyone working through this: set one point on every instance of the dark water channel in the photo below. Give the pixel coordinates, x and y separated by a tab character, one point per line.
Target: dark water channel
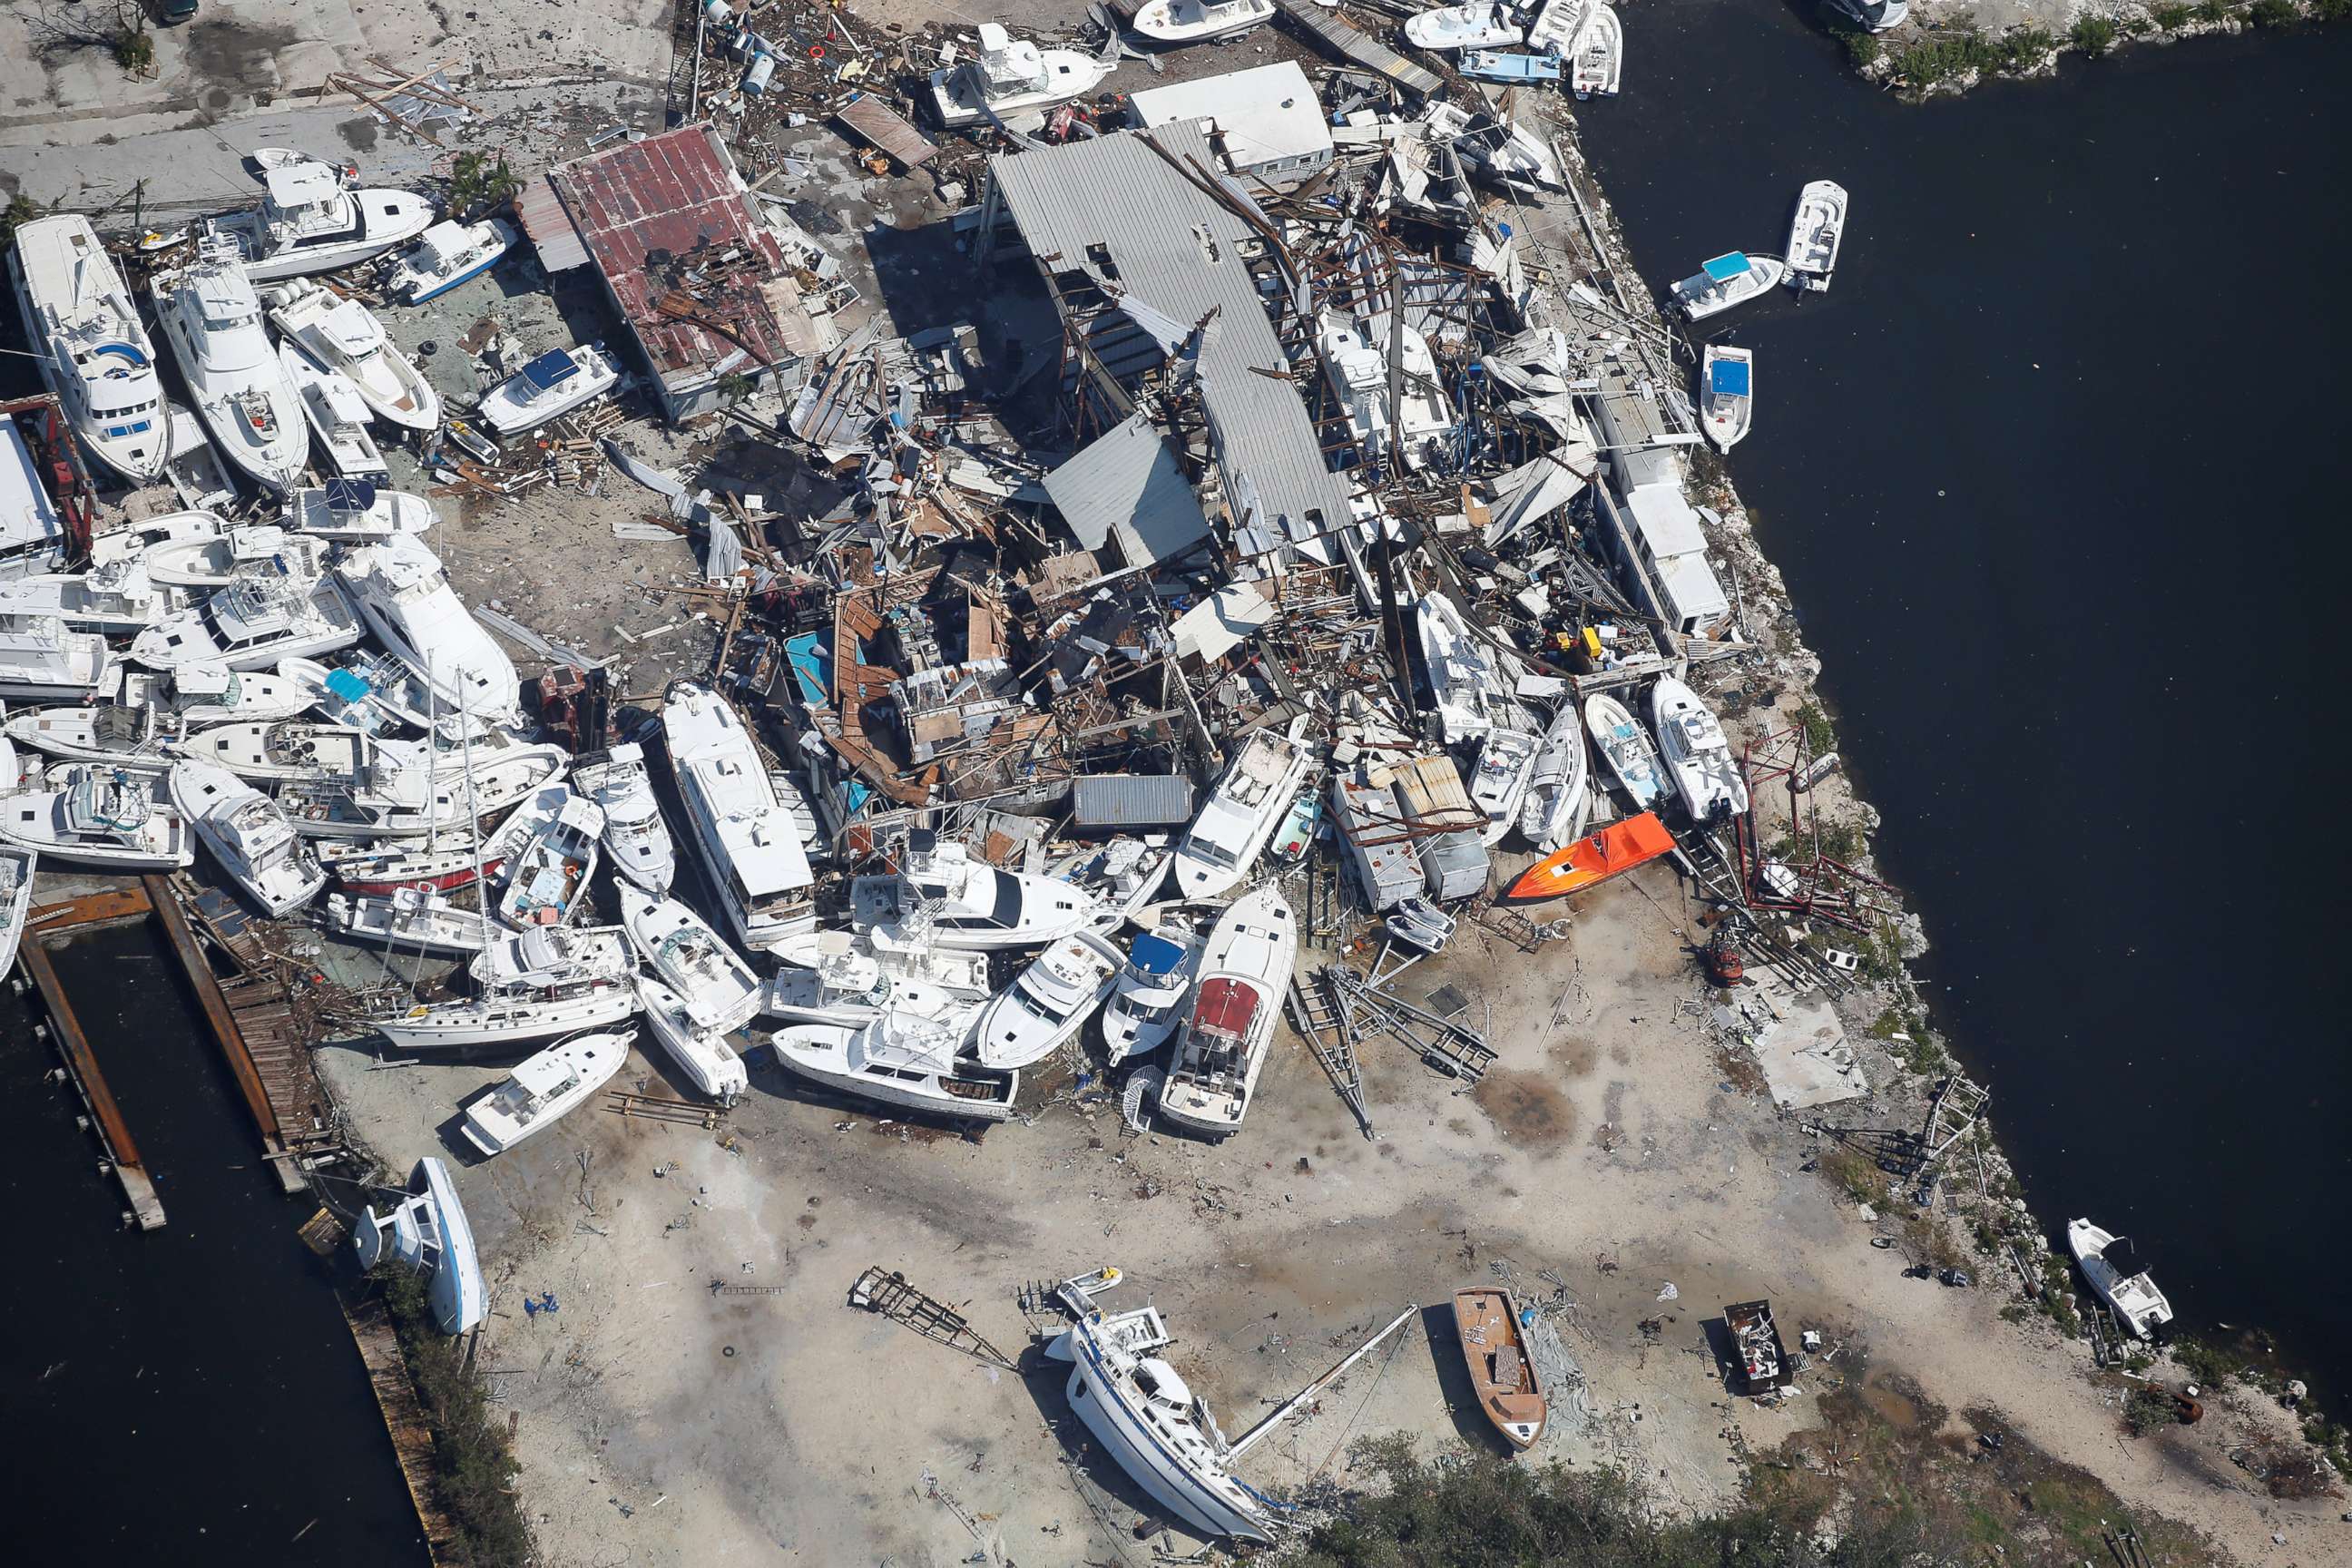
2049	474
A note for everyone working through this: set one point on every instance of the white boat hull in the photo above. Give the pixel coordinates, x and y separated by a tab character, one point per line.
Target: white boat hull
501	1021
815	1052
703	1055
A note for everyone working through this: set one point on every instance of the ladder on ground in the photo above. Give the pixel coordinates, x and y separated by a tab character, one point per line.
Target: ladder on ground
652	1108
1955	1110
1452	1048
888	1294
1324	1028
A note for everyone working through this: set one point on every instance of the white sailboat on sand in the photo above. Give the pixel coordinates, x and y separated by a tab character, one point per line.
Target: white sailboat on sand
545	1089
1220	1046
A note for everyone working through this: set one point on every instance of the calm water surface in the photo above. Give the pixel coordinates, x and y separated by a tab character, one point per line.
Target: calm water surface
2049	474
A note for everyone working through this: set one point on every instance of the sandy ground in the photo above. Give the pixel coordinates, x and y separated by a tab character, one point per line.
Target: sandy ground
661	1423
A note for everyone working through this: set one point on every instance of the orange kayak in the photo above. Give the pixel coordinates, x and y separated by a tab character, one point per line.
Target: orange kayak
1618	847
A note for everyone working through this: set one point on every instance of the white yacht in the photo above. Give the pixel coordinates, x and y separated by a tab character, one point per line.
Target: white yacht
1198	21
146	713
1241	814
1157	1429
118	599
340	335
1047	1002
244	550
1732	279
1147	1002
1220	1046
91	814
442	863
1630	755
445	255
42	661
898	1059
1473	683
400	587
1596	60
265	615
337	415
427	1232
1490	25
721	991
636	836
748	843
554	383
843	977
339	695
1011	77
701	1051
32	535
354	512
310	220
84	331
1697	753
414	917
292	749
1120	875
18	867
1356	366
1727	393
1814	235
210	316
2109	1263
1498	784
129	541
248	835
969	905
525	1010
1553	811
545	1087
549	862
412	791
1507	152
551	954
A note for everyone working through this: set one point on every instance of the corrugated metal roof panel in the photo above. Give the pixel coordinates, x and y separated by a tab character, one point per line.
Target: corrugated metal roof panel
540	212
1130	800
1178	251
1127	482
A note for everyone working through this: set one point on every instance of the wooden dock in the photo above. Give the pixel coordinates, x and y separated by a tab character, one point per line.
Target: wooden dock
56	924
1357	48
403	1417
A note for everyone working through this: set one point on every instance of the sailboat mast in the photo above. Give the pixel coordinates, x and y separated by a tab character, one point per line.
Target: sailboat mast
1300	1398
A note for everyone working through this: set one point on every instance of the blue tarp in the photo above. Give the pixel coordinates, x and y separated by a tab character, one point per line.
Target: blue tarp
556	364
1724	269
1728	378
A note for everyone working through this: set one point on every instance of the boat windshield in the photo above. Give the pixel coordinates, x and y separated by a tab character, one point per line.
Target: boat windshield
1004	911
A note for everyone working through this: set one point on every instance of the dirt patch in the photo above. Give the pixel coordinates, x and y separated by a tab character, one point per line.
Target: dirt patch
359	133
1577	1058
1898	1407
233	52
1528	1108
1740	1070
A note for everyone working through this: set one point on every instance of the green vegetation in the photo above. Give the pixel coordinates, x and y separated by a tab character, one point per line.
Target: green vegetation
473	1468
1820	735
1937	60
2092	35
2214	11
478	182
2274	13
1862	49
134	50
1855	1171
2207	1364
2026	47
734	387
2148	1410
20	209
2332	10
2171	17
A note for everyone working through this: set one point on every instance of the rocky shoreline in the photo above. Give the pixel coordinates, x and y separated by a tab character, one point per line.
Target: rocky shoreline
1947	47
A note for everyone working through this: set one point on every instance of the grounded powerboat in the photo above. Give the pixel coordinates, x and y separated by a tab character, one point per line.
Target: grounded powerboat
1626	748
1732	279
42	661
400	589
748	842
1220	1046
93	814
248	835
545	1089
1198	21
445	255
1146	1003
845	977
701	1050
1503	1375
340	335
17	869
351	511
898	1059
556	382
1358	371
972	906
1047	1002
429	1234
1230	831
2115	1272
338	417
1815	234
310	219
720	992
1499	783
265	615
1554	808
635	837
1489	25
1727	393
1474	684
1697	753
32	535
210	316
1011	77
551	858
415	918
94	355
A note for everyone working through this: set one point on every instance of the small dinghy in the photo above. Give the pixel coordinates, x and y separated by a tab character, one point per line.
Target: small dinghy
1553	810
249	837
338	417
1611	852
1597	59
723	992
545	1089
445	255
1814	235
702	1052
1731	279
1726	392
1198	21
1502	1373
1627	749
898	1061
1487	25
2114	1270
556	382
1047	1002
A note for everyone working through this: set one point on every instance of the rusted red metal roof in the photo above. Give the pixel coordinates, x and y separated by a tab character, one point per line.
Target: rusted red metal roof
652	215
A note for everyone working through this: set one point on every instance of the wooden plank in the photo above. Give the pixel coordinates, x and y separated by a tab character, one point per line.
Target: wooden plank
109	906
113	1132
404	1418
